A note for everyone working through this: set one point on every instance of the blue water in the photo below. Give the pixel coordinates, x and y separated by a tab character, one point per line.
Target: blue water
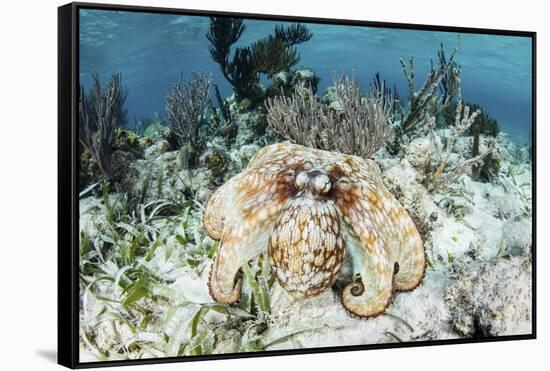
153	50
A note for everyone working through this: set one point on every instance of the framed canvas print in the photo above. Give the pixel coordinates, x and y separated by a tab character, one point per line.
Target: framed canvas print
236	185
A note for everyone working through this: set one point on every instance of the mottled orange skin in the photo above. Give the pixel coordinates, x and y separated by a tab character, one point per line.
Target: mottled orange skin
309	208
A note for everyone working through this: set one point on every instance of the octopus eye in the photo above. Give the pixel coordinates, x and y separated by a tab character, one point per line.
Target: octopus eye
301	180
322	183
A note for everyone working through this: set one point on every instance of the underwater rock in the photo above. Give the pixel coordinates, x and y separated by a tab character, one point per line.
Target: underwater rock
158	148
419	154
251	126
126	140
216	161
179	175
120	163
127	148
517	238
257	121
155	176
404	182
89	172
246	152
492	298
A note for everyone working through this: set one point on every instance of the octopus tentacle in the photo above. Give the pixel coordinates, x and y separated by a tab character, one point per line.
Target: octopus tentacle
252	202
216	206
389	239
371	291
403	239
411	255
239	244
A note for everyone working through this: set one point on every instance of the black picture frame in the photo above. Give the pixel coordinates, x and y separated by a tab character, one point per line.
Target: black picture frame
68	194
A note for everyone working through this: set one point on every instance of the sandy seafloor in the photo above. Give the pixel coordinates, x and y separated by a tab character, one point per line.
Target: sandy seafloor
477	281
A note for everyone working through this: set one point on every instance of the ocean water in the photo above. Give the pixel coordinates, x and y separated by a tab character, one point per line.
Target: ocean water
152	51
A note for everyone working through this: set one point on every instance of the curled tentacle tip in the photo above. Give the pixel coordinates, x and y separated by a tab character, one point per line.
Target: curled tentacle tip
357	288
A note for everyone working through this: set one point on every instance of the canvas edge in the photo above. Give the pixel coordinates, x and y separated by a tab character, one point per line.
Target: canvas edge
67	222
68	266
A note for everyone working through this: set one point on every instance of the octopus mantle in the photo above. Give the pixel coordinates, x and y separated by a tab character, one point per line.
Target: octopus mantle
309	208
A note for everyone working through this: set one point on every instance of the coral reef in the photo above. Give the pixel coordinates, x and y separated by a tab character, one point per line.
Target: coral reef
318	205
492	298
162	260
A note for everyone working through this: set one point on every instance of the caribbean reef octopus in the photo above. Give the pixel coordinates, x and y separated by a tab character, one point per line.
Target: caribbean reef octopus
308	208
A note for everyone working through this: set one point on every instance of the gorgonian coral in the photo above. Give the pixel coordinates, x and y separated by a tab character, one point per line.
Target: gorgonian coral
267	56
359	125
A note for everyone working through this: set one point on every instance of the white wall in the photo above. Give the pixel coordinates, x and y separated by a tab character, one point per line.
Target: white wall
28	181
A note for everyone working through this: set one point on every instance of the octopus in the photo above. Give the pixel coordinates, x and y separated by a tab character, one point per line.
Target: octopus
307	208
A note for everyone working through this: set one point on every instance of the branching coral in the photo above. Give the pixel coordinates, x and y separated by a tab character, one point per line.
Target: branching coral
223	33
100	113
185	103
272	55
445	173
292	35
388	94
359	127
484	123
267	56
449	86
221	117
441	88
